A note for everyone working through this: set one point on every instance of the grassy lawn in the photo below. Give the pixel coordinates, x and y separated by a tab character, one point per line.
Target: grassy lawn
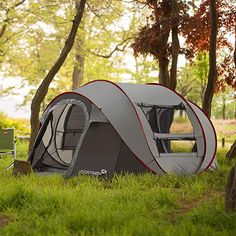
128	205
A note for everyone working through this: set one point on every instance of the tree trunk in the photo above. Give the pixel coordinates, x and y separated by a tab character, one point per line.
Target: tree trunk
163	60
43	105
212	75
204	77
235	41
78	70
164	75
235	51
43	88
79	57
224	109
235	111
163	70
175	45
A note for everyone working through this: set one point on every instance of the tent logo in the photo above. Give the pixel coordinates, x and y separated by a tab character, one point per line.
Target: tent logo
93	173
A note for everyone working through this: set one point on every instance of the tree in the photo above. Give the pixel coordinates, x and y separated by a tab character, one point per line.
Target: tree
188	83
145	70
212	75
96	37
193	23
197	29
43	88
166	19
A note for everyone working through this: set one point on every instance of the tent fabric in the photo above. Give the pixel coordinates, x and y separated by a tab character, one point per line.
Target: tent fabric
210	137
107	127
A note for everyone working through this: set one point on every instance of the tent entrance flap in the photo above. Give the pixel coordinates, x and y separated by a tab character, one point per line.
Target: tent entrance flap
62	132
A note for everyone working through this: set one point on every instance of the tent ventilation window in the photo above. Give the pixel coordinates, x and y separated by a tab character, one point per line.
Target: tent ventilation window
163	122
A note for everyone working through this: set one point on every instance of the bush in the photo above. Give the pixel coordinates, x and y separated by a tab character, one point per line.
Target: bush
21	126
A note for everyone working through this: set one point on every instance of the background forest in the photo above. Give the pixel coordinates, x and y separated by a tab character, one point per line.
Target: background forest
125	41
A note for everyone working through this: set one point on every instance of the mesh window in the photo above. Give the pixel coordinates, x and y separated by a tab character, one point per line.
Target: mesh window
74	127
172	128
75	119
181	123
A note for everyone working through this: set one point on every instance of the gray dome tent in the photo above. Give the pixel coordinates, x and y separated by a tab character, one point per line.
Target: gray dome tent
106	127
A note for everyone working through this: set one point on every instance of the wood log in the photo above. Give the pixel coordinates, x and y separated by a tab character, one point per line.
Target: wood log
21	168
230	194
4	220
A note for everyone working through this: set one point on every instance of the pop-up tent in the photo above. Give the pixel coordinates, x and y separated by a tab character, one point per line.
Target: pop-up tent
105	127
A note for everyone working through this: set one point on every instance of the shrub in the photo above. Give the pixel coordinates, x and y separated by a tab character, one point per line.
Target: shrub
21	126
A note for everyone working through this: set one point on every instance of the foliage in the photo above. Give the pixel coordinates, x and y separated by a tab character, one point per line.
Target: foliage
227	99
47	25
128	205
11	15
20	125
193	21
164	19
193	77
159	22
196	30
192	83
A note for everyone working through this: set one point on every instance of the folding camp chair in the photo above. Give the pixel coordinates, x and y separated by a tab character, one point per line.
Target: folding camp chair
7	142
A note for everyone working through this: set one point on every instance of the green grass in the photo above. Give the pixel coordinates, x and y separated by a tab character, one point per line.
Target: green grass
128	205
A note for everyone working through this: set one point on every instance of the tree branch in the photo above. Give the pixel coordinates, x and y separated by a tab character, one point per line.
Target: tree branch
98	16
7	19
19	3
117	48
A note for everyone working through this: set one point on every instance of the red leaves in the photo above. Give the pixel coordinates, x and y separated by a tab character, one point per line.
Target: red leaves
153	39
149	40
196	30
227	73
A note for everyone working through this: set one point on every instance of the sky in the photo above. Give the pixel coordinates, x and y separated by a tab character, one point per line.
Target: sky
12	103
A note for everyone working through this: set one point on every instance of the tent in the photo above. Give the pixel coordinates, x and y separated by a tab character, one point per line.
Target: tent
104	127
